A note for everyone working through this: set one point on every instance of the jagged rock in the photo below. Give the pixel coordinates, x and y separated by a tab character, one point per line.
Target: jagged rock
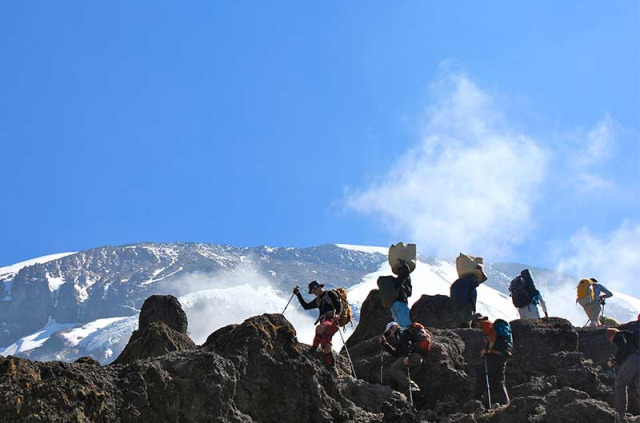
530	409
87	360
537	385
568	405
154	340
434	311
166	309
535	340
373	320
459	418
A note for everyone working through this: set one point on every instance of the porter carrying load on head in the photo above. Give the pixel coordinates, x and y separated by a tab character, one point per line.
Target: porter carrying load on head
591	296
463	292
526	297
395	291
333	314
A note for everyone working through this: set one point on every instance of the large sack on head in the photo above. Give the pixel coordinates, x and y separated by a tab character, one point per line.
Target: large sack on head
402	252
467	265
387	290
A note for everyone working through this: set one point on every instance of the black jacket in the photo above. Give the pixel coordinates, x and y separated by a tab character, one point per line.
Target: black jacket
626	345
403	285
402	344
329	301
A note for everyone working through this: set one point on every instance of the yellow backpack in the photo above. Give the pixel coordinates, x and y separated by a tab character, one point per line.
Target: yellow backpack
585	292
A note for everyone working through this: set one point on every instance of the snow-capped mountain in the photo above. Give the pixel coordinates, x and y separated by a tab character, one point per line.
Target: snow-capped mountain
75	304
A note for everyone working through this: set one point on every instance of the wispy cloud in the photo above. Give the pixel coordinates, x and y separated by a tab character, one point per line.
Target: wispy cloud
212	301
469	185
613	259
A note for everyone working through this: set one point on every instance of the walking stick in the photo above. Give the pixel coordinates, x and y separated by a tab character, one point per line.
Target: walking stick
410	392
353	369
381	363
486	372
602	302
285	307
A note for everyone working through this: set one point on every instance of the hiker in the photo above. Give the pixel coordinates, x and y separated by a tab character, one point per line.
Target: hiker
591	296
526	296
402	284
495	355
330	307
405	343
463	291
628	361
609	322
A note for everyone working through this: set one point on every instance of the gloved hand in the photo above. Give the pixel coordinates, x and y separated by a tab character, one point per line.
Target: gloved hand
296	290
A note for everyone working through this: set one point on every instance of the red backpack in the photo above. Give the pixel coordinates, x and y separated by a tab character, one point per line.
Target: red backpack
422	337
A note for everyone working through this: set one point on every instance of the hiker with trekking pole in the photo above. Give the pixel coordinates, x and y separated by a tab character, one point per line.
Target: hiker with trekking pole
408	345
491	376
591	296
335	312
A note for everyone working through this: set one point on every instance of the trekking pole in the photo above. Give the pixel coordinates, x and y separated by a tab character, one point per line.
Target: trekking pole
353	369
381	363
410	392
285	307
486	373
603	302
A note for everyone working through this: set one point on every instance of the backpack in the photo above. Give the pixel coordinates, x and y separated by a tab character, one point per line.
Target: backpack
586	295
504	341
421	336
346	316
522	289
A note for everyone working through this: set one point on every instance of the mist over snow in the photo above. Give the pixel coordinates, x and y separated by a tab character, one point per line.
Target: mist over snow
238	295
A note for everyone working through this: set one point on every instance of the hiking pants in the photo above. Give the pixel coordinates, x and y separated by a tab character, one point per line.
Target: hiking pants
329	328
465	314
400	313
398	371
529	311
495	367
593	312
627	375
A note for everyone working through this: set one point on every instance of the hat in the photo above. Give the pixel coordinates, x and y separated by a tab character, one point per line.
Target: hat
611	332
389	326
313	285
479	316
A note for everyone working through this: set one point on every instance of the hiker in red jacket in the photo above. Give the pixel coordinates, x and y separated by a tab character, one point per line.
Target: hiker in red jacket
329	305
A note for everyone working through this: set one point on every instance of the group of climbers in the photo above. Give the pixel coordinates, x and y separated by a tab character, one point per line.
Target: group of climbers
409	341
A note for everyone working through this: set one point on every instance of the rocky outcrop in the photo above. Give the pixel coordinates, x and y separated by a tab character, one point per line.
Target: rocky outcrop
162	329
257	371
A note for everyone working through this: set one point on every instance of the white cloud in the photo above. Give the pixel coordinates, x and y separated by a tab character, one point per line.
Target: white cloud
600	143
212	301
468	186
613	259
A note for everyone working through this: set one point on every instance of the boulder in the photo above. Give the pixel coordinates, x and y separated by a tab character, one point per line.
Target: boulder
569	405
434	311
166	309
373	320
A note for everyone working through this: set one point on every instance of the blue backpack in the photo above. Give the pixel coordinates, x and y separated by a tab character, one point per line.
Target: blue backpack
504	341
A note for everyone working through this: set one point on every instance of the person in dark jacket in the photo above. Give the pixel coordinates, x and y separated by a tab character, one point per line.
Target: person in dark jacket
496	353
329	305
400	307
628	372
400	343
464	294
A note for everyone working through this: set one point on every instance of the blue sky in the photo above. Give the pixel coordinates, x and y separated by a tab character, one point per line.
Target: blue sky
506	130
